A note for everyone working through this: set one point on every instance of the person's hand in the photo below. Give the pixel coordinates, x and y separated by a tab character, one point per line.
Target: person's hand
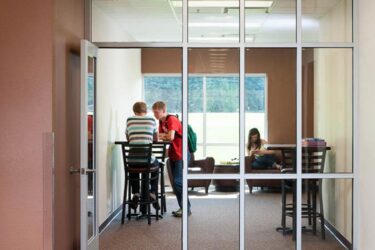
255	151
162	136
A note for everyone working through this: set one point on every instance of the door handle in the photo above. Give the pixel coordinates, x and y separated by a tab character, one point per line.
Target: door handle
73	170
88	170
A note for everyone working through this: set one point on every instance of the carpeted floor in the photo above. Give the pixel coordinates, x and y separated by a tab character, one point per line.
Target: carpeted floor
214	224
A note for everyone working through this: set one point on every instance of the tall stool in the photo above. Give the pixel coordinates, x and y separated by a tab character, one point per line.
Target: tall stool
313	159
159	150
137	160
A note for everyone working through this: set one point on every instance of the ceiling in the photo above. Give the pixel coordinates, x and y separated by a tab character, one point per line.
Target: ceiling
160	20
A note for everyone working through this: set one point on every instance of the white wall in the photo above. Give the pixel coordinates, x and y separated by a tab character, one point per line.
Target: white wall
333	115
366	124
119	86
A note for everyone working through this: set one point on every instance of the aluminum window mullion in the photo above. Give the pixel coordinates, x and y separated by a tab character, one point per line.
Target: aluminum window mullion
328	45
242	124
355	129
204	87
238	176
299	124
184	242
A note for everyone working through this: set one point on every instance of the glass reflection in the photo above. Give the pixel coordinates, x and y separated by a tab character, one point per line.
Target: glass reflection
91	146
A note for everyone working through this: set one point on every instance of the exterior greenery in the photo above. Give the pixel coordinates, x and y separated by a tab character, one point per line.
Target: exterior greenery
222	93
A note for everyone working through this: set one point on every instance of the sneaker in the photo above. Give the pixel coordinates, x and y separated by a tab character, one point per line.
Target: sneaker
277	166
154	201
178	213
134	201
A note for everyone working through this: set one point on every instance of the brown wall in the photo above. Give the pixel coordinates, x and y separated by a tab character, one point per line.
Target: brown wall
278	64
68	31
308	93
280	67
26	124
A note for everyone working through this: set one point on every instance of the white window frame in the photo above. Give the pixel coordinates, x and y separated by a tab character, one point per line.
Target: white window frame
204	144
242	45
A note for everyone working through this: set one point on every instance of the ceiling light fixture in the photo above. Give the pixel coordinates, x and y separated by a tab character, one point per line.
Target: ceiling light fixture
222	25
224	4
213	39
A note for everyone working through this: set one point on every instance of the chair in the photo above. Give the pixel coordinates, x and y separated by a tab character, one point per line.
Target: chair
159	151
137	159
204	166
260	182
313	161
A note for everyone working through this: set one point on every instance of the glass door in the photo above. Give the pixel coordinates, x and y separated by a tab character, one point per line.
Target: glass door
89	225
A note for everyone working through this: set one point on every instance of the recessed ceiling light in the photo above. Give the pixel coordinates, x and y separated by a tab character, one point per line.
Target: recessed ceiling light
222	25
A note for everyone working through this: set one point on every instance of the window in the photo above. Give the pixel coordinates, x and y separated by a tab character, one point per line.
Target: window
213	101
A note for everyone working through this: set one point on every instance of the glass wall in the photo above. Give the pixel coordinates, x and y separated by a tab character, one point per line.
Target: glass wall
327	87
299	97
136	21
270	21
270	108
213	21
327	20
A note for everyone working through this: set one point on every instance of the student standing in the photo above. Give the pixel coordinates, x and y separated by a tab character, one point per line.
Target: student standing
170	129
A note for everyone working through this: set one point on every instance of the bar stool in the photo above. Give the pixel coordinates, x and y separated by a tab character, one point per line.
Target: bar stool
137	160
313	159
159	150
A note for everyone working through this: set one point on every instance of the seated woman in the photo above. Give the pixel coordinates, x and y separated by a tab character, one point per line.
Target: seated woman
263	158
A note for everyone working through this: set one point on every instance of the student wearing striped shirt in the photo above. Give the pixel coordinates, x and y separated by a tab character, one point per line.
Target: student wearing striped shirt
141	129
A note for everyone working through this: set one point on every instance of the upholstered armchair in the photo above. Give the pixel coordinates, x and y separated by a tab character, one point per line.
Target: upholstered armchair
204	166
260	182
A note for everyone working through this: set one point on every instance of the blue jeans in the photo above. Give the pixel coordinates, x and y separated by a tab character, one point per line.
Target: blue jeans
176	167
153	183
263	161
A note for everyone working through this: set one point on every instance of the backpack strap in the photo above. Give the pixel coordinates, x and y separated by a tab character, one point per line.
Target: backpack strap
166	119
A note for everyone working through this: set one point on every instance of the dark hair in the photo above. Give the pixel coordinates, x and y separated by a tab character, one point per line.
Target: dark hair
253	131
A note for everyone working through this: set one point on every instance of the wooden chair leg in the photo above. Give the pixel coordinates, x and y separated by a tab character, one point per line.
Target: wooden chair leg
321	208
309	205
283	206
124	200
148	198
162	191
129	197
315	214
294	210
157	210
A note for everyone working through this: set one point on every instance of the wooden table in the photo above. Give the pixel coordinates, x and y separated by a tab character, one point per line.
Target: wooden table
226	185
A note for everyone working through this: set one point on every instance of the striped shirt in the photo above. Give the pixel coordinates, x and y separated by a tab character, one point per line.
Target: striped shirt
140	130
